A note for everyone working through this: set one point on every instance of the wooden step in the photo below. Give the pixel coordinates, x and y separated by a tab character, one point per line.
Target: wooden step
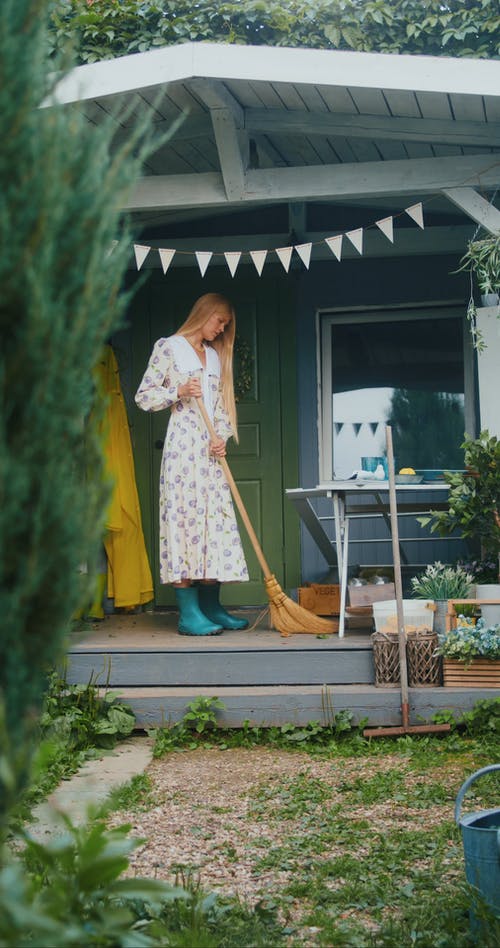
300	704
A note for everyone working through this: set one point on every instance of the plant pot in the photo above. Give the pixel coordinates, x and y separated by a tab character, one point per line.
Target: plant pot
490	613
489	299
440	616
478	673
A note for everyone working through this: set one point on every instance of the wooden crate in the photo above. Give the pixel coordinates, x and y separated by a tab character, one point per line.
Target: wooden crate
479	673
322	599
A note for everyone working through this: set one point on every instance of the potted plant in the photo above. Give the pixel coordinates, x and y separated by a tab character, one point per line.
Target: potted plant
440	582
482	258
471	655
473	509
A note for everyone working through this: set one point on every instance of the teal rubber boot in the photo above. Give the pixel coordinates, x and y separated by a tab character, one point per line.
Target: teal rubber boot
210	605
192	621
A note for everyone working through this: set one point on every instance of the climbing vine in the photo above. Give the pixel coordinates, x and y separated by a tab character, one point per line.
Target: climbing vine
103	29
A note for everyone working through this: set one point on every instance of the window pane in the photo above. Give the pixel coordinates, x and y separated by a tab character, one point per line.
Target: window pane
407	373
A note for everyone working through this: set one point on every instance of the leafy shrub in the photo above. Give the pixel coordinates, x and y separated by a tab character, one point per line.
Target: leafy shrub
83	717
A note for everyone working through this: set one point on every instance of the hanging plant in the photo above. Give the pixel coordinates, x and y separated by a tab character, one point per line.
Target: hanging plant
243	369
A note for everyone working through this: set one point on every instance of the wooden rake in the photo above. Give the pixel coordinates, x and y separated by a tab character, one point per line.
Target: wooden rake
405	727
286	615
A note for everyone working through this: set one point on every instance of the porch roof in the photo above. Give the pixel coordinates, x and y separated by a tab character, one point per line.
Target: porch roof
304	133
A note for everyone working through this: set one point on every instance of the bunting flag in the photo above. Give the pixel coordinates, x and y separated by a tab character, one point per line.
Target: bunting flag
259	259
141	252
203	257
356	238
386	226
416	213
285	255
166	257
357	427
232	260
335	245
373	426
304	252
338	427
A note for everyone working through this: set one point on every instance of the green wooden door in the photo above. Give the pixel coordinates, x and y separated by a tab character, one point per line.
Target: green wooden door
257	462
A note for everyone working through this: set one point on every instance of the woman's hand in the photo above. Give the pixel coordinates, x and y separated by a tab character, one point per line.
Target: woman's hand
218	448
190	389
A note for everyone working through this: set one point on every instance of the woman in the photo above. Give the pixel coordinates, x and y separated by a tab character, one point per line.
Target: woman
199	539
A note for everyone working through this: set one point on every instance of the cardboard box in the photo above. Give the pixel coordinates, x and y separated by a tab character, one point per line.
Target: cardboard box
370	593
323	600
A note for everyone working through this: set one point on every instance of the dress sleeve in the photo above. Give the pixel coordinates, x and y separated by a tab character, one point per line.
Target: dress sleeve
222	424
160	382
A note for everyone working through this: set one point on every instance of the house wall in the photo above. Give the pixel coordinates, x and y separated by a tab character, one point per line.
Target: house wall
358	283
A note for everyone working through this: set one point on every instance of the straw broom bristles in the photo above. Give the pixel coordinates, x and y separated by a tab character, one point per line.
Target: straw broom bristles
286	615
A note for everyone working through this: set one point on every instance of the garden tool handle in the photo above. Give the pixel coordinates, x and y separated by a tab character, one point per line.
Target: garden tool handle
236	494
465	786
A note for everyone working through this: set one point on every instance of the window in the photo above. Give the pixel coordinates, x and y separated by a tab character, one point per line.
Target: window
409	368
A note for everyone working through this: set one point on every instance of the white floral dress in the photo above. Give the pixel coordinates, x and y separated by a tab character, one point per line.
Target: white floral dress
199	537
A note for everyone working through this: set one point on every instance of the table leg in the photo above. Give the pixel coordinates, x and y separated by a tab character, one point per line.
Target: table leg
343	577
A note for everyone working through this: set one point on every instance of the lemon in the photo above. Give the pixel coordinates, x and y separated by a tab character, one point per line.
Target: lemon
407	470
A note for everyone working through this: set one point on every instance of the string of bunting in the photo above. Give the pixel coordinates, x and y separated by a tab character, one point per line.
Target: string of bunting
304	251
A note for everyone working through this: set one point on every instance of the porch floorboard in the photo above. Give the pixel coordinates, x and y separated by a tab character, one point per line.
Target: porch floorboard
260	676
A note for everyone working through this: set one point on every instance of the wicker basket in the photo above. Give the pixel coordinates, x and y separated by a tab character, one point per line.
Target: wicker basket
386	659
424	667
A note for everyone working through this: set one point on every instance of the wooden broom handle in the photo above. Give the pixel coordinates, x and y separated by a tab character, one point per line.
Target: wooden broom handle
236	495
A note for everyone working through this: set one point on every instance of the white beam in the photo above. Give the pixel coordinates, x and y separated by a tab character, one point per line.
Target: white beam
232	142
269	121
476	207
415	177
263	63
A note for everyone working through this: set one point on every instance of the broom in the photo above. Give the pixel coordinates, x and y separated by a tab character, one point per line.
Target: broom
286	615
405	727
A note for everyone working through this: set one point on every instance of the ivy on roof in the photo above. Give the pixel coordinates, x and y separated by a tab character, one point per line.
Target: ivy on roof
104	29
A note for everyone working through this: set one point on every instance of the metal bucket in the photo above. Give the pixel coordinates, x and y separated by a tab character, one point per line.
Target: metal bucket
481	839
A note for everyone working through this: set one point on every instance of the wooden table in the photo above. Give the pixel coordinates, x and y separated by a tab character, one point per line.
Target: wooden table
343	495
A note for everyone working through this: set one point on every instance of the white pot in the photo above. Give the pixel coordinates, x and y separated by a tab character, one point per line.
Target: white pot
491	613
489	299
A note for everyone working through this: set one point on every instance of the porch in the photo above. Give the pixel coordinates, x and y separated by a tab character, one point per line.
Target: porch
260	676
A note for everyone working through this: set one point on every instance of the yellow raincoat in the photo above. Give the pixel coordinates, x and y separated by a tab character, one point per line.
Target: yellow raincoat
129	575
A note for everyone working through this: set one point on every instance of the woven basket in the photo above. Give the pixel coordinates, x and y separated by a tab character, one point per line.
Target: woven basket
386	659
424	667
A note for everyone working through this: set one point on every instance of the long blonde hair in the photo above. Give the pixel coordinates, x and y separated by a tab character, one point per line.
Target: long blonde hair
223	344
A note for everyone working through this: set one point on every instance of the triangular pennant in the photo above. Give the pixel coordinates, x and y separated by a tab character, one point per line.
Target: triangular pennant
335	245
373	426
338	427
259	259
356	425
166	257
304	252
203	257
285	255
386	227
232	260
356	238
416	213
141	252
